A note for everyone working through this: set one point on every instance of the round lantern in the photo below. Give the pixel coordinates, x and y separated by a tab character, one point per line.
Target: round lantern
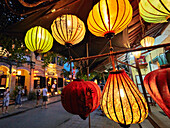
157	83
109	17
38	39
147	41
122	101
155	11
68	29
81	97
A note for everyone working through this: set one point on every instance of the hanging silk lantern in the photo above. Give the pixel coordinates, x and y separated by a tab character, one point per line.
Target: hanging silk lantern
109	17
81	97
155	11
147	41
122	101
68	29
38	39
157	83
137	54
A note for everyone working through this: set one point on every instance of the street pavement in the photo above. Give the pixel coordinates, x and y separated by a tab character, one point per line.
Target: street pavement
54	117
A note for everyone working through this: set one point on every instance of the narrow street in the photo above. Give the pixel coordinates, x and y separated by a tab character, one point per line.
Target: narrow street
52	117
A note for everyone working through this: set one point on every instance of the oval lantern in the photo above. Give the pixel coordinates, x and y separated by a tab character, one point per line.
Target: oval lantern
68	29
121	100
81	97
157	83
109	17
38	39
155	11
147	41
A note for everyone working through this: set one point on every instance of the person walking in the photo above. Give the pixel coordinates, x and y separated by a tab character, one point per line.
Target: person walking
53	89
5	100
44	97
18	99
38	93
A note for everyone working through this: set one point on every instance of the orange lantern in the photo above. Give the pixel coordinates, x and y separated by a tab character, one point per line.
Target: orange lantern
81	97
157	83
109	17
68	29
147	41
122	101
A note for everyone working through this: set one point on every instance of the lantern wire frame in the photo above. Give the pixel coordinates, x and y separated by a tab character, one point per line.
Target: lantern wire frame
109	16
38	39
155	11
122	101
68	29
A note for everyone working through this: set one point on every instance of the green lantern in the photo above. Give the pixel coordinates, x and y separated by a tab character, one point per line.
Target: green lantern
155	11
38	40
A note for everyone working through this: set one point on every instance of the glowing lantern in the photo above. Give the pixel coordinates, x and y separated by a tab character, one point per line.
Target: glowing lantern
68	29
157	83
137	54
109	16
38	39
122	101
147	41
81	97
155	11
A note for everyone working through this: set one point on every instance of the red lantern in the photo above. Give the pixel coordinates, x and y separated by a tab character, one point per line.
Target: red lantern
157	83
81	97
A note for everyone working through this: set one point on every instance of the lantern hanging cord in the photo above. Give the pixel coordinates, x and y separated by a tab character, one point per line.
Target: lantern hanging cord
112	56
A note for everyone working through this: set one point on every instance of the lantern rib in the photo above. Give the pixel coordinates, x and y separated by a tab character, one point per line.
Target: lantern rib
123	79
116	16
71	28
156	8
36	37
40	39
164	6
46	44
101	16
108	14
141	101
48	47
66	28
113	99
75	31
116	27
151	19
44	41
107	101
78	36
32	40
151	12
27	41
58	31
122	108
62	28
96	23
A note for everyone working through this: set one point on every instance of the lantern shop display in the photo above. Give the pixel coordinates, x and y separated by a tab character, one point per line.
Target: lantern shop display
121	100
81	97
157	83
38	39
109	17
155	11
68	29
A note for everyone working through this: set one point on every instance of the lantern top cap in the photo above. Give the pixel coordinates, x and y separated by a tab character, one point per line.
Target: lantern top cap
78	80
117	71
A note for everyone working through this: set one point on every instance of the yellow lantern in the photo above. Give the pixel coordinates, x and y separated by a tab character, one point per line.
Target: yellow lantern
122	101
137	54
155	11
147	41
38	39
109	17
68	29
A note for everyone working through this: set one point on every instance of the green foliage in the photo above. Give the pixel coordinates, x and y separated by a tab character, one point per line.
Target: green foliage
48	57
31	95
16	48
65	73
